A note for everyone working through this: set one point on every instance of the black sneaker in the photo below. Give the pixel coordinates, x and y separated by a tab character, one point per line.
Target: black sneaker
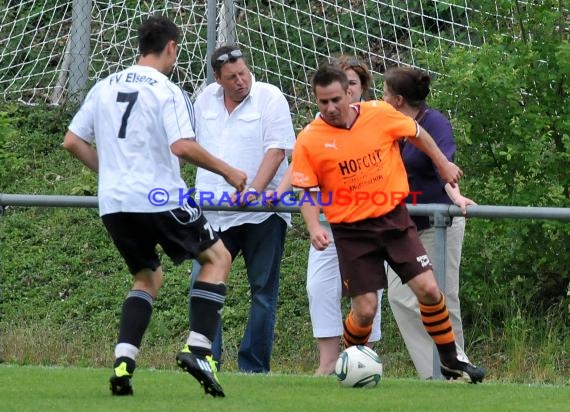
464	370
202	368
121	381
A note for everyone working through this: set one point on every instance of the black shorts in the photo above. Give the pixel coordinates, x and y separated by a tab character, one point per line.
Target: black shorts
183	234
363	246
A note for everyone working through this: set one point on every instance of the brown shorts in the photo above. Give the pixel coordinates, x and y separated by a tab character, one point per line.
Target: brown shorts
363	246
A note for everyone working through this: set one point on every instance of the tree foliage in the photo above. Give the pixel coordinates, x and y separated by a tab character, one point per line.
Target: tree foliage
509	103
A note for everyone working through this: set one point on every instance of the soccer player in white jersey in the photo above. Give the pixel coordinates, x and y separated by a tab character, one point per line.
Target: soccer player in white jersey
143	126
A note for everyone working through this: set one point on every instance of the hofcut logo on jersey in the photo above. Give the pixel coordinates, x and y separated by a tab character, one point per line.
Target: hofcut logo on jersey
351	166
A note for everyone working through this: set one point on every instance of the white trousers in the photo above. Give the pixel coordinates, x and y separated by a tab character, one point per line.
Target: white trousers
324	289
405	305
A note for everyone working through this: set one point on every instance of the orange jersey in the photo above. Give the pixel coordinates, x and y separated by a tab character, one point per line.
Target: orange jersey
359	170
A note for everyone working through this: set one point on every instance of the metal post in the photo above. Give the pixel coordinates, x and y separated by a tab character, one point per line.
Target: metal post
211	38
440	222
59	89
227	27
80	49
225	32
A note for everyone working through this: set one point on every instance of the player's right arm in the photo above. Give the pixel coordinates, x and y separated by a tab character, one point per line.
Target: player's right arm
303	176
84	151
310	211
80	135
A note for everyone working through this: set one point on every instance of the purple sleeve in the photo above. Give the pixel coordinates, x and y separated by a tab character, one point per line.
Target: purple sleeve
422	174
437	125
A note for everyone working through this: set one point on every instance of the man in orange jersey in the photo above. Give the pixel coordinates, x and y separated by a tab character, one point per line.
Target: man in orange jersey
353	149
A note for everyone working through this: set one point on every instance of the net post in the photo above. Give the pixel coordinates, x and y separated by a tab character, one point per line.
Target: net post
211	38
80	49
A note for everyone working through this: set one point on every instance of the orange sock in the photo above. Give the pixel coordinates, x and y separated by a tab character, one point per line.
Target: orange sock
354	334
437	324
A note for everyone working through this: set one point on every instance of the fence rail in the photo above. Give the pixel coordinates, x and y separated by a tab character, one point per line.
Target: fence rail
477	211
440	214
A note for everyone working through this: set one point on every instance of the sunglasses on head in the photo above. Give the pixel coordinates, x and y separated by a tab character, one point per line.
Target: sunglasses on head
234	54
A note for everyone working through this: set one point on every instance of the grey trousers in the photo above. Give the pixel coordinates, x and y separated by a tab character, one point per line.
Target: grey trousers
405	305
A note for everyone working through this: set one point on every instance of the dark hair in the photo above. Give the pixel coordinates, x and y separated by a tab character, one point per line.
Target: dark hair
155	33
348	62
327	74
411	84
225	54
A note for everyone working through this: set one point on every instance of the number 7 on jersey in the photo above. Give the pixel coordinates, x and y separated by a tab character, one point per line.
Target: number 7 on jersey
130	99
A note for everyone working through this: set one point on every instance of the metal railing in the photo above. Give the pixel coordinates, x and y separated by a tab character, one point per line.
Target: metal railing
440	217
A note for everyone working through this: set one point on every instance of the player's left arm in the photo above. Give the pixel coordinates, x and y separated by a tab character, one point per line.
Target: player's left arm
448	171
193	152
457	198
81	149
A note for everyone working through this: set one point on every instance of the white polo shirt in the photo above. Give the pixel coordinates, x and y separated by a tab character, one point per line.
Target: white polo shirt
262	121
134	116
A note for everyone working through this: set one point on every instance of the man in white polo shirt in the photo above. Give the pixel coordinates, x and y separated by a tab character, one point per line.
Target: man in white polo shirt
248	124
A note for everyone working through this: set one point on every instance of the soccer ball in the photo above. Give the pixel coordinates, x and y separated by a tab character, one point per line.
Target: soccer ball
358	367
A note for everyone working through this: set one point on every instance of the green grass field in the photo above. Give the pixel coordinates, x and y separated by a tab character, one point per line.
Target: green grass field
29	388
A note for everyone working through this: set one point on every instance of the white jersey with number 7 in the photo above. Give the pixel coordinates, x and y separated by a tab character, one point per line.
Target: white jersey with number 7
134	116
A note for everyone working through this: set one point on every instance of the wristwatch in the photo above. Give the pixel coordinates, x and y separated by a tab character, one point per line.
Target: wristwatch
252	190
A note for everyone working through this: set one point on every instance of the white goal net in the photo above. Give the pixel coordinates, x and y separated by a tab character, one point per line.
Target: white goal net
284	40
